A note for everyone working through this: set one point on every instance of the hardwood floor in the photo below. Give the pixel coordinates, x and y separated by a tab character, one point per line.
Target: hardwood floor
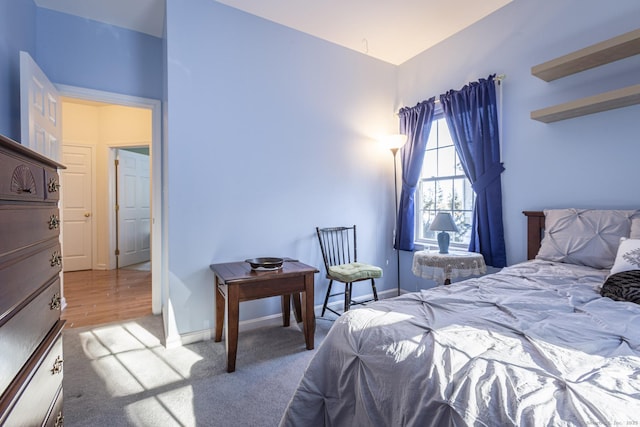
95	297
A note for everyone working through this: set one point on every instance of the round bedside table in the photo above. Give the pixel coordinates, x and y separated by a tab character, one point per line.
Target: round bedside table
444	267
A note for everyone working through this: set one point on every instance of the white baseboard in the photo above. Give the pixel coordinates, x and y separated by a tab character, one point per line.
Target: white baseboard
261	322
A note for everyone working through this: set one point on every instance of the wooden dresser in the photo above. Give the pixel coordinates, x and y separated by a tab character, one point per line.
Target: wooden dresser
30	264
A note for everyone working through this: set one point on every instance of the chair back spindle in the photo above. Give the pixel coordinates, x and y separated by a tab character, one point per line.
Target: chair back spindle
338	245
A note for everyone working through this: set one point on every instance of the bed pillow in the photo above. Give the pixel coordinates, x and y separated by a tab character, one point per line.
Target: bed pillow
584	236
628	256
624	286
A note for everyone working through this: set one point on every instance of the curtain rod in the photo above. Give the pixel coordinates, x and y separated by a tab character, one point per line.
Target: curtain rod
499	78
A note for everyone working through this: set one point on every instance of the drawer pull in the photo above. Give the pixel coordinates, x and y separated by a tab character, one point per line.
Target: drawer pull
54	222
55	301
57	366
56	259
59	420
53	185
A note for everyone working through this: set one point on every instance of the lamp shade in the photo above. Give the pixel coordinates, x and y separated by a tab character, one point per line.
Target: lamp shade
443	222
393	142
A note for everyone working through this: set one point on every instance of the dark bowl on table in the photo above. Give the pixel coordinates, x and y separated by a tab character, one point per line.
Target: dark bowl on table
267	263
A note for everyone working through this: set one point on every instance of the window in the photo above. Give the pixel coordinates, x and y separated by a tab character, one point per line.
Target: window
443	187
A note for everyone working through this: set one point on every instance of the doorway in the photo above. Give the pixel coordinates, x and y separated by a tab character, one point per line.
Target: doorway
114	109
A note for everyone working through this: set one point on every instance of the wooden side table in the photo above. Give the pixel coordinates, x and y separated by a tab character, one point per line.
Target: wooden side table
236	282
444	267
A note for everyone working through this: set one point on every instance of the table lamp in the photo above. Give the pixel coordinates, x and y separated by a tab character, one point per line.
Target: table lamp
443	222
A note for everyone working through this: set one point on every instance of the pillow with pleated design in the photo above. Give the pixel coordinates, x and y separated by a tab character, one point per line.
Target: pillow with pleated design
587	237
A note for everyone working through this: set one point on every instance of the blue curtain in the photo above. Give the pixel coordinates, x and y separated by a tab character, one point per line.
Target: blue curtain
415	122
472	116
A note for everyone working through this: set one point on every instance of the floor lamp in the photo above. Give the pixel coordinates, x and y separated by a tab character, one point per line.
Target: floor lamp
394	143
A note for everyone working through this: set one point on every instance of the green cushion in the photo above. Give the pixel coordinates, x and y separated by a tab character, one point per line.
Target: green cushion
354	271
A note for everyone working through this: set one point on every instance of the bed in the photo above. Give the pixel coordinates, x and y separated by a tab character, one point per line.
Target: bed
535	344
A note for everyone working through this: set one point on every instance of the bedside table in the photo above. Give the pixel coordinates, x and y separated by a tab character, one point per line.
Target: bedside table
444	267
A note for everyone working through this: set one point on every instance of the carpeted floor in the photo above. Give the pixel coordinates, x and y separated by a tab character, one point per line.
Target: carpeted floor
121	375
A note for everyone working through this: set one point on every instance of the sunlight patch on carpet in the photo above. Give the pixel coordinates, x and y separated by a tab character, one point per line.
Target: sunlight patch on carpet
131	360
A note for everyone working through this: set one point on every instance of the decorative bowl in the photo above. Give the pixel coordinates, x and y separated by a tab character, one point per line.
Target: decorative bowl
265	263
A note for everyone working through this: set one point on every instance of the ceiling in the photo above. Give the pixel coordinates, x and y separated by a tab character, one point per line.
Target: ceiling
390	30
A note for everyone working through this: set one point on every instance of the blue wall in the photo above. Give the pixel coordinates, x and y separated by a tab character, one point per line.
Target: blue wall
271	132
85	53
590	161
17	24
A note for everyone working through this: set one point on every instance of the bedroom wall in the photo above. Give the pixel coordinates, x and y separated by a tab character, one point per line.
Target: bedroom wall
17	32
270	133
80	52
590	161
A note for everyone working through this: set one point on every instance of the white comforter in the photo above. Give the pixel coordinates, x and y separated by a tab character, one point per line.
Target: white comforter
533	345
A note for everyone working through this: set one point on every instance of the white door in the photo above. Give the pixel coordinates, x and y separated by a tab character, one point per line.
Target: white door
134	224
39	110
77	215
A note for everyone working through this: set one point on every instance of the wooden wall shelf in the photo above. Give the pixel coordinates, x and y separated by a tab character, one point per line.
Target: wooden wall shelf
611	50
594	104
622	46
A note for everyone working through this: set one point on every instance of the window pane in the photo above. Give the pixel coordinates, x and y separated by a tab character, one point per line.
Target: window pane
458	194
469	196
432	142
447	161
444	137
425	200
430	164
427	193
459	169
444	195
463	222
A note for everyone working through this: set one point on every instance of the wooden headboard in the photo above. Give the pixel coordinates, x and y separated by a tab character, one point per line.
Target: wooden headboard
535	231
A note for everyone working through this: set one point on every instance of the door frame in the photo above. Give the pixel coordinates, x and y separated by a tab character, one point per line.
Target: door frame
157	272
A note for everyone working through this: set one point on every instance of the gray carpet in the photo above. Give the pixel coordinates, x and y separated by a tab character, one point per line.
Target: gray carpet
121	375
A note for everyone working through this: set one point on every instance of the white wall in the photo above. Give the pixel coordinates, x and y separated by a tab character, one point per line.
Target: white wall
589	161
270	133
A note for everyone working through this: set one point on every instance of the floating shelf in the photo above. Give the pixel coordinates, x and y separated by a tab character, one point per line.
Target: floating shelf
611	50
594	104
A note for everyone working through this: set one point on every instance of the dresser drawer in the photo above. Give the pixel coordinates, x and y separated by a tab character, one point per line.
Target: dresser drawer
52	185
21	334
56	418
21	276
22	226
20	179
31	398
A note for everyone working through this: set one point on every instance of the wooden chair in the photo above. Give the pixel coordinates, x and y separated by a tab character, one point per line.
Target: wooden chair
339	252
